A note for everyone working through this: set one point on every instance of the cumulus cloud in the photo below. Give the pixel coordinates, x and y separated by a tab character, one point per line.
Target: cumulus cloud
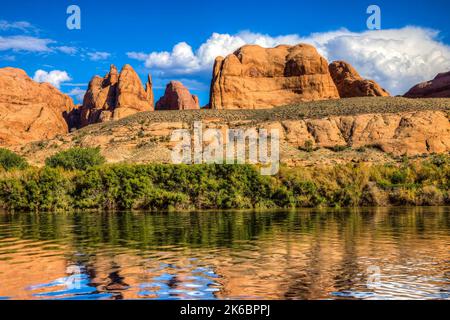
98	55
25	43
77	93
55	77
396	58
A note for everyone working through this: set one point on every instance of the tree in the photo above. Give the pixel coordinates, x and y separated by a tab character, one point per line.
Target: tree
76	159
10	160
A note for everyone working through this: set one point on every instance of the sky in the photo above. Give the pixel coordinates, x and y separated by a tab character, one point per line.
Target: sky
179	40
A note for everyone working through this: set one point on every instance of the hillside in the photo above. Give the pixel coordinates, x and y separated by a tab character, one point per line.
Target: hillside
333	131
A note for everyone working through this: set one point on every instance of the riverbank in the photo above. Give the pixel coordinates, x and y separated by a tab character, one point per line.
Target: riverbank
420	182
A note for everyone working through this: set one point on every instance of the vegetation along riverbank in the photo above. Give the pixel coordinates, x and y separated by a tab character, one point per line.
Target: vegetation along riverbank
78	179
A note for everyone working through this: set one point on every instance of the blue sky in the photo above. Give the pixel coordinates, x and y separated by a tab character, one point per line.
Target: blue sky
412	46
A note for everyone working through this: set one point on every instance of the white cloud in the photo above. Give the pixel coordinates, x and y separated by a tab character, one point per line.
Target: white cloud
77	93
55	77
396	58
16	25
67	50
98	55
25	43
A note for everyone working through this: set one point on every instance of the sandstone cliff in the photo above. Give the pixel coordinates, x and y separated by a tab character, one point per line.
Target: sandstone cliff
30	111
256	78
328	132
350	84
439	87
177	97
116	96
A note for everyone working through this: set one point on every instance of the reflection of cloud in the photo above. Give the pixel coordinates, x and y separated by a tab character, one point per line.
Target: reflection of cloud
55	77
396	58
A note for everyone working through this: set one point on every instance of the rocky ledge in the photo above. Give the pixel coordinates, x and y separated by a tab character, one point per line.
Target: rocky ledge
359	129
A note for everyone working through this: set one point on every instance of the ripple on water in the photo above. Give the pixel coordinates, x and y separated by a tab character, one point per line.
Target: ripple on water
292	255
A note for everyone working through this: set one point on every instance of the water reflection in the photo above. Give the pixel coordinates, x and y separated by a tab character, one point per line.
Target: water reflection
306	254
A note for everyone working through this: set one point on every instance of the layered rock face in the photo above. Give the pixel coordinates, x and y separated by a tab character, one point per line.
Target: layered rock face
411	133
116	96
439	87
30	111
350	84
256	78
177	97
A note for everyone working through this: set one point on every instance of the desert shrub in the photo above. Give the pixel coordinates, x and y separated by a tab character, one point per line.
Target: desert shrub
10	160
339	148
76	159
431	196
308	146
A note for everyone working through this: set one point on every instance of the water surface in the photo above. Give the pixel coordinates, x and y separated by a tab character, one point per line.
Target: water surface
307	254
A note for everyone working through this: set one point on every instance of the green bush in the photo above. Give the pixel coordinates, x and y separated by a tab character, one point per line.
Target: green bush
183	187
10	160
76	159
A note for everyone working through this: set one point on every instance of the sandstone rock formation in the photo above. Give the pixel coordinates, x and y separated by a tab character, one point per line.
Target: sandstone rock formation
177	97
350	84
116	96
353	130
30	111
256	78
439	87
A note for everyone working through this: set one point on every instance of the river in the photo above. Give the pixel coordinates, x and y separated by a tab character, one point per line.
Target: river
397	253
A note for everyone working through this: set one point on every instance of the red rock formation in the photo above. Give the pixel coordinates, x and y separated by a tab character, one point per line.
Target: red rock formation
116	96
177	97
439	87
256	78
30	111
350	84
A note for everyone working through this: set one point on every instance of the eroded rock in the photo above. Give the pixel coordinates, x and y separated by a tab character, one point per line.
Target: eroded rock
30	111
177	97
116	96
350	84
439	87
256	78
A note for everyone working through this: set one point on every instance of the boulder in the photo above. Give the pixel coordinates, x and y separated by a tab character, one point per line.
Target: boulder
116	96
439	87
350	84
30	111
256	78
177	97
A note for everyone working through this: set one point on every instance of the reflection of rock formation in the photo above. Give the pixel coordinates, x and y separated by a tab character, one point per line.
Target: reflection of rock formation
292	255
